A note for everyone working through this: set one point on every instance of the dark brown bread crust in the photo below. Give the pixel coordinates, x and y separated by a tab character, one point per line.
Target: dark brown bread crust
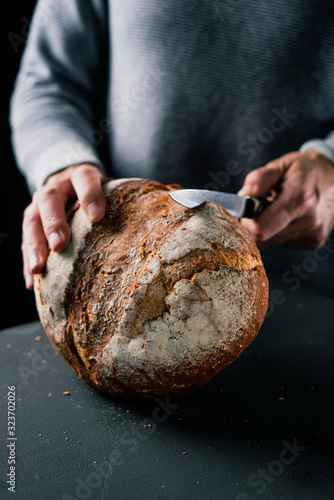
149	267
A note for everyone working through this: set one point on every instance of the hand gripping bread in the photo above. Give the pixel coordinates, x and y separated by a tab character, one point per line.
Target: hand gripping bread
154	299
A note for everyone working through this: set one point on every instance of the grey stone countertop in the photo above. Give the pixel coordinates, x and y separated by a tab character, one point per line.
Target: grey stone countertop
260	429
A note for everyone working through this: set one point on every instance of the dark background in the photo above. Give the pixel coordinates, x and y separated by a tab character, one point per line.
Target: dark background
17	303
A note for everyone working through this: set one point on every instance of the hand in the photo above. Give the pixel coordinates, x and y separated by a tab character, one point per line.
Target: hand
44	221
302	212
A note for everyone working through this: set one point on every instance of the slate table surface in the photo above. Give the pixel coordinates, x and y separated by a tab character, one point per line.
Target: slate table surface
260	429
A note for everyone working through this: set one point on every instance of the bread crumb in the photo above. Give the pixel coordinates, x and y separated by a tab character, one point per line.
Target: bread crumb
40	435
281	399
66	393
50	394
8	346
184	453
38	338
79	442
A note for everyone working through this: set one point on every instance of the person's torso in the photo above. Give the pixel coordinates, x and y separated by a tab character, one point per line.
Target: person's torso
201	92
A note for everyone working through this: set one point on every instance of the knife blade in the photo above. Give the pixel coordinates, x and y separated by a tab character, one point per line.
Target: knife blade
238	206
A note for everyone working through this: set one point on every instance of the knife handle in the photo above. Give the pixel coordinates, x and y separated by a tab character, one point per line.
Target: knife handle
255	206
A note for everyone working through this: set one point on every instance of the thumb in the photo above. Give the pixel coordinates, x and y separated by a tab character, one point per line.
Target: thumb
262	180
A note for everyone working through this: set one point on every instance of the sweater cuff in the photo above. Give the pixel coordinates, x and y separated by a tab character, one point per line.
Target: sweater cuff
61	155
320	145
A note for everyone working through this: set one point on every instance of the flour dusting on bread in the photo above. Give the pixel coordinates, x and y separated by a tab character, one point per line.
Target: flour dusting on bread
155	299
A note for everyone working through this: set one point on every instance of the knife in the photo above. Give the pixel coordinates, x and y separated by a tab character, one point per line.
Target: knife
238	206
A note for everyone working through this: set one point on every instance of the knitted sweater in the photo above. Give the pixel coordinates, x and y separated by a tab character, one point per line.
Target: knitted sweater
197	92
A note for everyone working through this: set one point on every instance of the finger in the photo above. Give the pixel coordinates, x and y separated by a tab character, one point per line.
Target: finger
51	205
87	182
302	229
293	232
262	180
28	276
303	242
301	233
34	245
294	201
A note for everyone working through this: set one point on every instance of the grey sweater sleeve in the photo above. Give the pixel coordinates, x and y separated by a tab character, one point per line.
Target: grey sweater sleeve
324	146
52	104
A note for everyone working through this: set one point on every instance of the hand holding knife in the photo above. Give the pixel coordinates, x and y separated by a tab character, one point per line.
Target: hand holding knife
238	206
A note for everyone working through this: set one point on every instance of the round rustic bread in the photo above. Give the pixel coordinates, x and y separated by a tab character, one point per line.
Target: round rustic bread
154	299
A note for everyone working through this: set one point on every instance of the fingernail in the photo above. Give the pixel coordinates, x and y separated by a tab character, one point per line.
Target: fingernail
54	239
29	281
247	191
93	210
33	262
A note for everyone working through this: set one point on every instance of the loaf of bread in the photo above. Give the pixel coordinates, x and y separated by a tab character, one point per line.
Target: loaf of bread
154	299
